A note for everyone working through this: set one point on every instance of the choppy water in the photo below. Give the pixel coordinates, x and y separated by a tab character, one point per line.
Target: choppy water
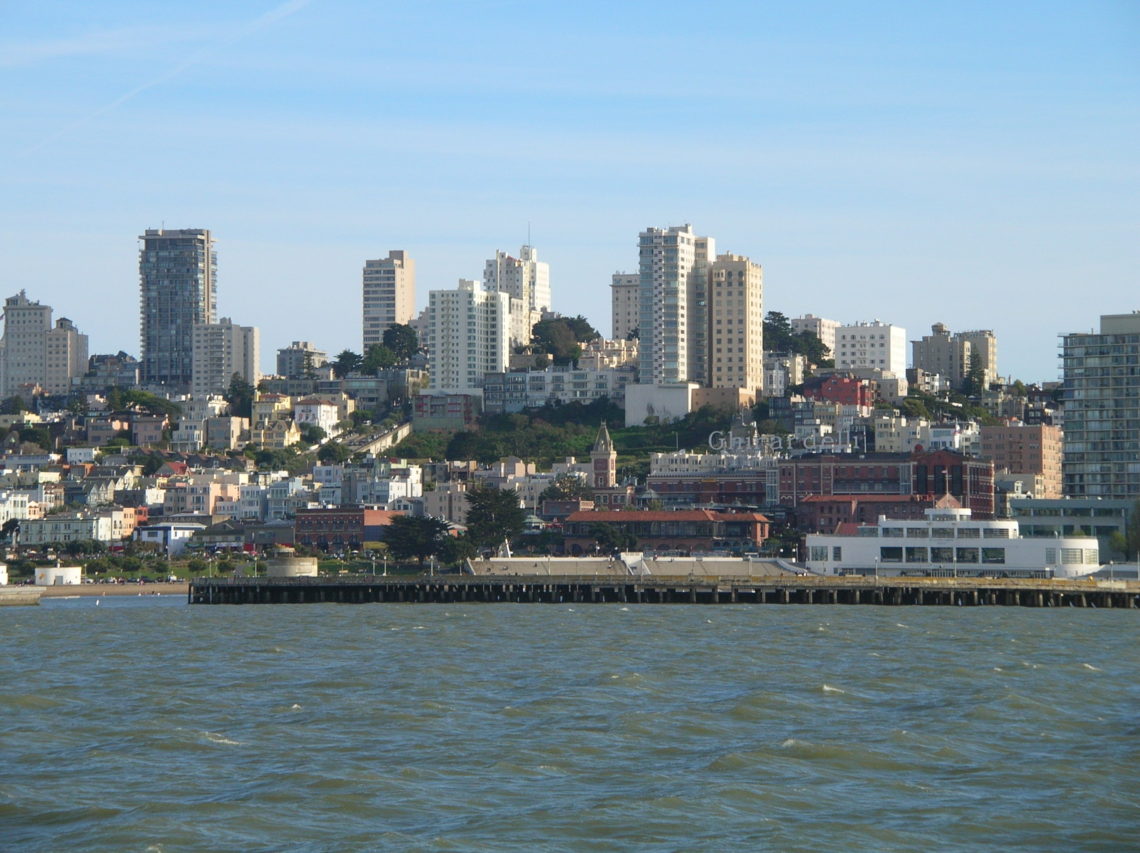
144	724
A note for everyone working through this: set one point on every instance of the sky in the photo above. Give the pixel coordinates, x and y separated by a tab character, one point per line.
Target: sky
976	164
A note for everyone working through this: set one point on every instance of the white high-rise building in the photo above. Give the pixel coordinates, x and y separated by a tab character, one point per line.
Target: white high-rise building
468	336
876	344
219	351
736	324
673	316
821	327
625	304
526	280
389	295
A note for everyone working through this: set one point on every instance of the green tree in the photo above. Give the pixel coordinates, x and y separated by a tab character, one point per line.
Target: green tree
312	434
402	340
455	549
557	338
975	381
1128	542
346	362
612	538
333	453
240	397
493	516
408	537
13	405
377	358
566	487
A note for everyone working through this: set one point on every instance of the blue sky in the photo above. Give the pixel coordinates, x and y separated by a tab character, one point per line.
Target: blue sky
976	164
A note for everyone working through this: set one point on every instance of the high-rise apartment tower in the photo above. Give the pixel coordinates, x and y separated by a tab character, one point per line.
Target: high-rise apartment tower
1102	410
389	294
177	273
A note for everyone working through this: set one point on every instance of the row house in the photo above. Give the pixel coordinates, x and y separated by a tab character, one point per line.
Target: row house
107	526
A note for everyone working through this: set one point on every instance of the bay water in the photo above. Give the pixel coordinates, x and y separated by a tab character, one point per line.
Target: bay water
144	724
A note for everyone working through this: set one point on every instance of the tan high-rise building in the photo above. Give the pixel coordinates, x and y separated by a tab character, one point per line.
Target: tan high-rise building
625	309
33	353
1024	449
389	294
736	324
951	356
66	356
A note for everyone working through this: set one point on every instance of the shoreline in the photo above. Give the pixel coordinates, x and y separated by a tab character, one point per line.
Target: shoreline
96	590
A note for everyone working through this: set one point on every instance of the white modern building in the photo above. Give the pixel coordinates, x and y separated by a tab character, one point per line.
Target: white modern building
673	310
526	280
949	543
219	350
874	344
468	336
389	294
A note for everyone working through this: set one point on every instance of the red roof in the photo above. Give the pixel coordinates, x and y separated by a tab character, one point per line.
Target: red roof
866	498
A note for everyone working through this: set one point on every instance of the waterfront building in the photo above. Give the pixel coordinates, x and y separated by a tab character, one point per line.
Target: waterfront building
949	542
694	530
936	473
1053	518
177	277
221	350
624	304
874	344
1102	410
389	295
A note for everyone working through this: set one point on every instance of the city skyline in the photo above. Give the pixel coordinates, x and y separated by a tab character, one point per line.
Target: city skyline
944	164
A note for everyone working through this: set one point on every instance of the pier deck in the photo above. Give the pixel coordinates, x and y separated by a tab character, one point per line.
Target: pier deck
448	589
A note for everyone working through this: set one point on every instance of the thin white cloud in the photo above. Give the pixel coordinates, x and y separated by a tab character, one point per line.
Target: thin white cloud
90	44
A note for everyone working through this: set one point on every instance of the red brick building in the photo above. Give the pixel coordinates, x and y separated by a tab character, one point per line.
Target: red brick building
925	474
844	390
340	528
680	530
825	513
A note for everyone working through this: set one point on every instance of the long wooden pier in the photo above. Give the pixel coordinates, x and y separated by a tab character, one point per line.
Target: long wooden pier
450	589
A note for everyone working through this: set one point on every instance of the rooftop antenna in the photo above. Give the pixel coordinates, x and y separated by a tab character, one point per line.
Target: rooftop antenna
528	233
